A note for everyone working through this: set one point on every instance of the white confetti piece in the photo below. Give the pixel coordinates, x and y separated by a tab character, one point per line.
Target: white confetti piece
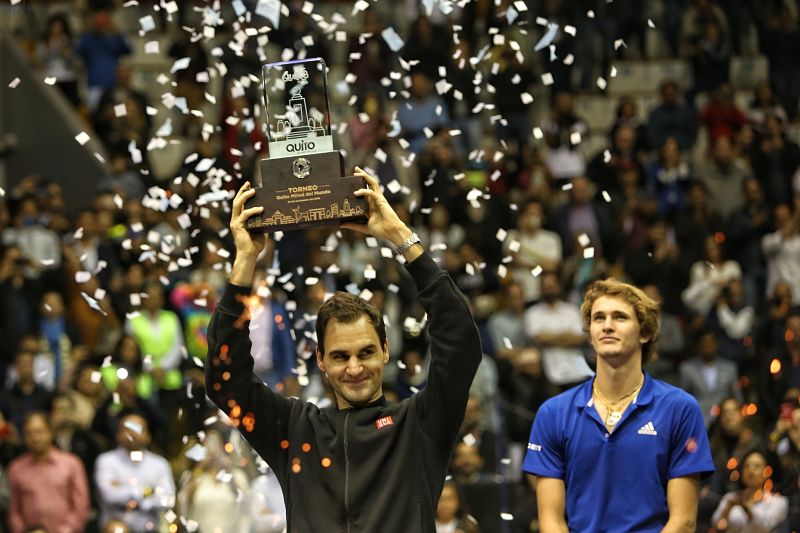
619	43
584	240
50	80
507	516
520	5
137	456
147	23
606	156
151	47
197	452
501	234
526	98
570	59
575	137
511	15
133	426
270	10
392	39
120	110
82	138
567	186
537	270
606	197
180	64
590	14
588	253
547	78
82	276
572	30
13	84
547	38
650	23
538	133
96	376
601	83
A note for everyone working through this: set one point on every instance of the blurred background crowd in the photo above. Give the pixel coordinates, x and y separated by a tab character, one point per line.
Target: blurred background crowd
656	142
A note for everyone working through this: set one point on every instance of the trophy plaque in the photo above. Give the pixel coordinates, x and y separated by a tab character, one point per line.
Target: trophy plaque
302	181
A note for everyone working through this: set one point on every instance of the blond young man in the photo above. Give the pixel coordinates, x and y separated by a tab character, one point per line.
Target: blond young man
622	451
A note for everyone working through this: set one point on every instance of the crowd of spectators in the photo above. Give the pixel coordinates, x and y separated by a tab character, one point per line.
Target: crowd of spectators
104	424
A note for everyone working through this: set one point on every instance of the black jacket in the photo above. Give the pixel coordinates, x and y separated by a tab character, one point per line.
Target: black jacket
343	470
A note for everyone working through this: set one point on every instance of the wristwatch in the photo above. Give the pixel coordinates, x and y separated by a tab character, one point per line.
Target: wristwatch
408	243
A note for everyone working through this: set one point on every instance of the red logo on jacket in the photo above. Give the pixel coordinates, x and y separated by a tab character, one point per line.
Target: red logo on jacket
383	422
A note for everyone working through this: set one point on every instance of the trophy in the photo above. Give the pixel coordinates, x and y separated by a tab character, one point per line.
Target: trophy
302	181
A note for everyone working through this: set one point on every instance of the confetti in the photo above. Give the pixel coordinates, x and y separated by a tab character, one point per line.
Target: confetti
547	38
547	78
120	110
392	39
147	23
606	197
13	84
82	138
270	10
588	253
151	47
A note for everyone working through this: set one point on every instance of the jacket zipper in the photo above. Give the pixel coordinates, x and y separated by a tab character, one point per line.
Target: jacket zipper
346	475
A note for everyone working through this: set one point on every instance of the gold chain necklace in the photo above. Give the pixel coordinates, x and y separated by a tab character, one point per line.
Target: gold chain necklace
613	416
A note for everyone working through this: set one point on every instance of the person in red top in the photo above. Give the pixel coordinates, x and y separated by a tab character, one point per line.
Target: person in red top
720	116
48	486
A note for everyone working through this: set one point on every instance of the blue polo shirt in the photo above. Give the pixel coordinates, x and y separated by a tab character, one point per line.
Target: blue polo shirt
618	481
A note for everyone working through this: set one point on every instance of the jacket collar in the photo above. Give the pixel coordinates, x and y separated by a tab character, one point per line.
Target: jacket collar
380	402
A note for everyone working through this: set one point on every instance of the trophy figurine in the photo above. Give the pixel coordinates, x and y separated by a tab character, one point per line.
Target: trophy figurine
303	182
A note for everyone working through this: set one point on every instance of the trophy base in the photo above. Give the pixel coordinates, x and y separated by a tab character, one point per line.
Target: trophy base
305	191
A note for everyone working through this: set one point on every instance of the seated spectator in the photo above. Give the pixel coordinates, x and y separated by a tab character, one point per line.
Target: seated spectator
695	17
422	110
451	513
708	277
746	226
605	174
48	486
668	178
477	429
723	175
763	105
25	395
564	158
780	366
56	55
732	319
69	437
125	401
720	116
698	222
775	161
19	297
555	327
216	493
672	118
707	377
506	326
126	363
86	394
671	342
511	79
754	508
117	129
710	56
581	214
531	246
782	251
134	484
628	116
467	464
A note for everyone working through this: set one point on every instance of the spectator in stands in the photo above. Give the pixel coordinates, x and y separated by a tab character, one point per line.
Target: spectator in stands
732	319
672	118
779	40
754	508
126	363
101	49
672	341
423	109
506	325
510	81
70	437
695	19
763	105
698	222
127	401
708	277
720	116
55	53
723	175
467	464
430	46
54	340
782	251
121	117
746	226
604	171
243	142
438	167
216	492
780	366
364	127
135	485
532	246
710	56
38	244
554	326
562	127
48	486
707	376
582	215
188	84
668	178
627	115
776	161
451	512
18	298
658	263
25	395
461	98
86	394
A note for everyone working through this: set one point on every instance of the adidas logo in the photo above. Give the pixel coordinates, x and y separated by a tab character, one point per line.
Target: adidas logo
648	429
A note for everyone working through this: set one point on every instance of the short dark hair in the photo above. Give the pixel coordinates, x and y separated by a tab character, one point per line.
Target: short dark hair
346	308
30	415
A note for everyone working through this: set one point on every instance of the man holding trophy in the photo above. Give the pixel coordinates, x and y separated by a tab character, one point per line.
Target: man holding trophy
365	464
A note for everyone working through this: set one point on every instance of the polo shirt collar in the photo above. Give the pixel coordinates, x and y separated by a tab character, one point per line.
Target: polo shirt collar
583	396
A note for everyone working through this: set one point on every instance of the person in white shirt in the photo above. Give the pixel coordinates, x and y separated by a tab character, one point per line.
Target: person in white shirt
134	485
782	250
555	326
754	509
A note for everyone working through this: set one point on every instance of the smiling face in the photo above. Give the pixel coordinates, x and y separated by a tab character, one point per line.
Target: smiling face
353	361
614	329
